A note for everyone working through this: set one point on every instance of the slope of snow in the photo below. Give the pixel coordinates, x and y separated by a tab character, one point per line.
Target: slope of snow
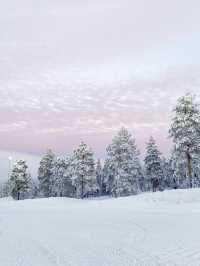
149	229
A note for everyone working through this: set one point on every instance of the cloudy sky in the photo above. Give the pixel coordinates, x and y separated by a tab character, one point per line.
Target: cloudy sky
81	69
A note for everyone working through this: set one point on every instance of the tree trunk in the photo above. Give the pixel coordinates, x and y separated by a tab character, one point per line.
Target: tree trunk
18	195
189	166
101	188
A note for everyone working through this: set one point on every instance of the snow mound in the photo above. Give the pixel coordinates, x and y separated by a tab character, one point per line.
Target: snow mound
173	196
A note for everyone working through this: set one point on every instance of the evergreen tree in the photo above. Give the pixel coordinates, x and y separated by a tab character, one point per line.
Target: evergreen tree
19	180
82	170
58	184
32	191
5	189
168	174
180	170
196	171
185	131
123	165
99	176
108	177
153	166
46	174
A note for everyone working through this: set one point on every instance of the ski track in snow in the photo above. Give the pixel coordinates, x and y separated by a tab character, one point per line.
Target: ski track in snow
145	230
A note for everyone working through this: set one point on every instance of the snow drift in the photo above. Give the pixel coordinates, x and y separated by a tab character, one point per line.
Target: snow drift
150	229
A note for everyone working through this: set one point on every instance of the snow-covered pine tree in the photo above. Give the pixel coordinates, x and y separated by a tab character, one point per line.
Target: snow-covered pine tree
108	177
32	191
69	189
1	190
123	165
196	170
153	165
185	131
180	170
19	180
168	173
179	165
82	168
5	189
99	176
58	184
45	174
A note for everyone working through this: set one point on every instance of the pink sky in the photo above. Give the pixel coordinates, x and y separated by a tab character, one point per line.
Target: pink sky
72	70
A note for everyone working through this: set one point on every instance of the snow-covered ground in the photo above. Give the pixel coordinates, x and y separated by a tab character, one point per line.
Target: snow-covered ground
150	229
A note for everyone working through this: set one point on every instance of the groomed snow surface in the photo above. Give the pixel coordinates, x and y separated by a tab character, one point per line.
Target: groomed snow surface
150	229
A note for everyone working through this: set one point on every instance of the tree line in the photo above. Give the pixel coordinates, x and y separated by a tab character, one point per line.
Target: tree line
122	173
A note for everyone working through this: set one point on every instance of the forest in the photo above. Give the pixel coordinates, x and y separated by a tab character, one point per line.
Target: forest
122	172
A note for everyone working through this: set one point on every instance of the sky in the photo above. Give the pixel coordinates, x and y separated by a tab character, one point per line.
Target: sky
73	70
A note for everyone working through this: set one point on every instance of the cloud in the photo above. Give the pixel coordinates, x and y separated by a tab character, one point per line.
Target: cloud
8	127
50	106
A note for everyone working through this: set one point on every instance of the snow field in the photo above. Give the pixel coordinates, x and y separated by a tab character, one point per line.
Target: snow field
149	229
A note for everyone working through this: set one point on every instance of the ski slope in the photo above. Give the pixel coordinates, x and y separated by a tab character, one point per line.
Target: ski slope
150	229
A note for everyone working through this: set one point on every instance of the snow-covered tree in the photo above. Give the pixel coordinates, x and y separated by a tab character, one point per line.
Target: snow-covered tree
196	171
168	173
19	180
69	189
179	165
123	165
185	131
5	189
45	174
82	171
153	165
180	170
108	178
58	183
99	176
32	191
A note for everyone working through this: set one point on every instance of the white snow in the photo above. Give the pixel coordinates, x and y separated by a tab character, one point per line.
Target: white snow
149	229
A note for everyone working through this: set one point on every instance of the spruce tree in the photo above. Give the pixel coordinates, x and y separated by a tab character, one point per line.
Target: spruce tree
179	169
196	170
153	165
168	174
5	189
46	174
19	180
32	189
123	165
82	168
58	183
99	176
108	177
185	131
